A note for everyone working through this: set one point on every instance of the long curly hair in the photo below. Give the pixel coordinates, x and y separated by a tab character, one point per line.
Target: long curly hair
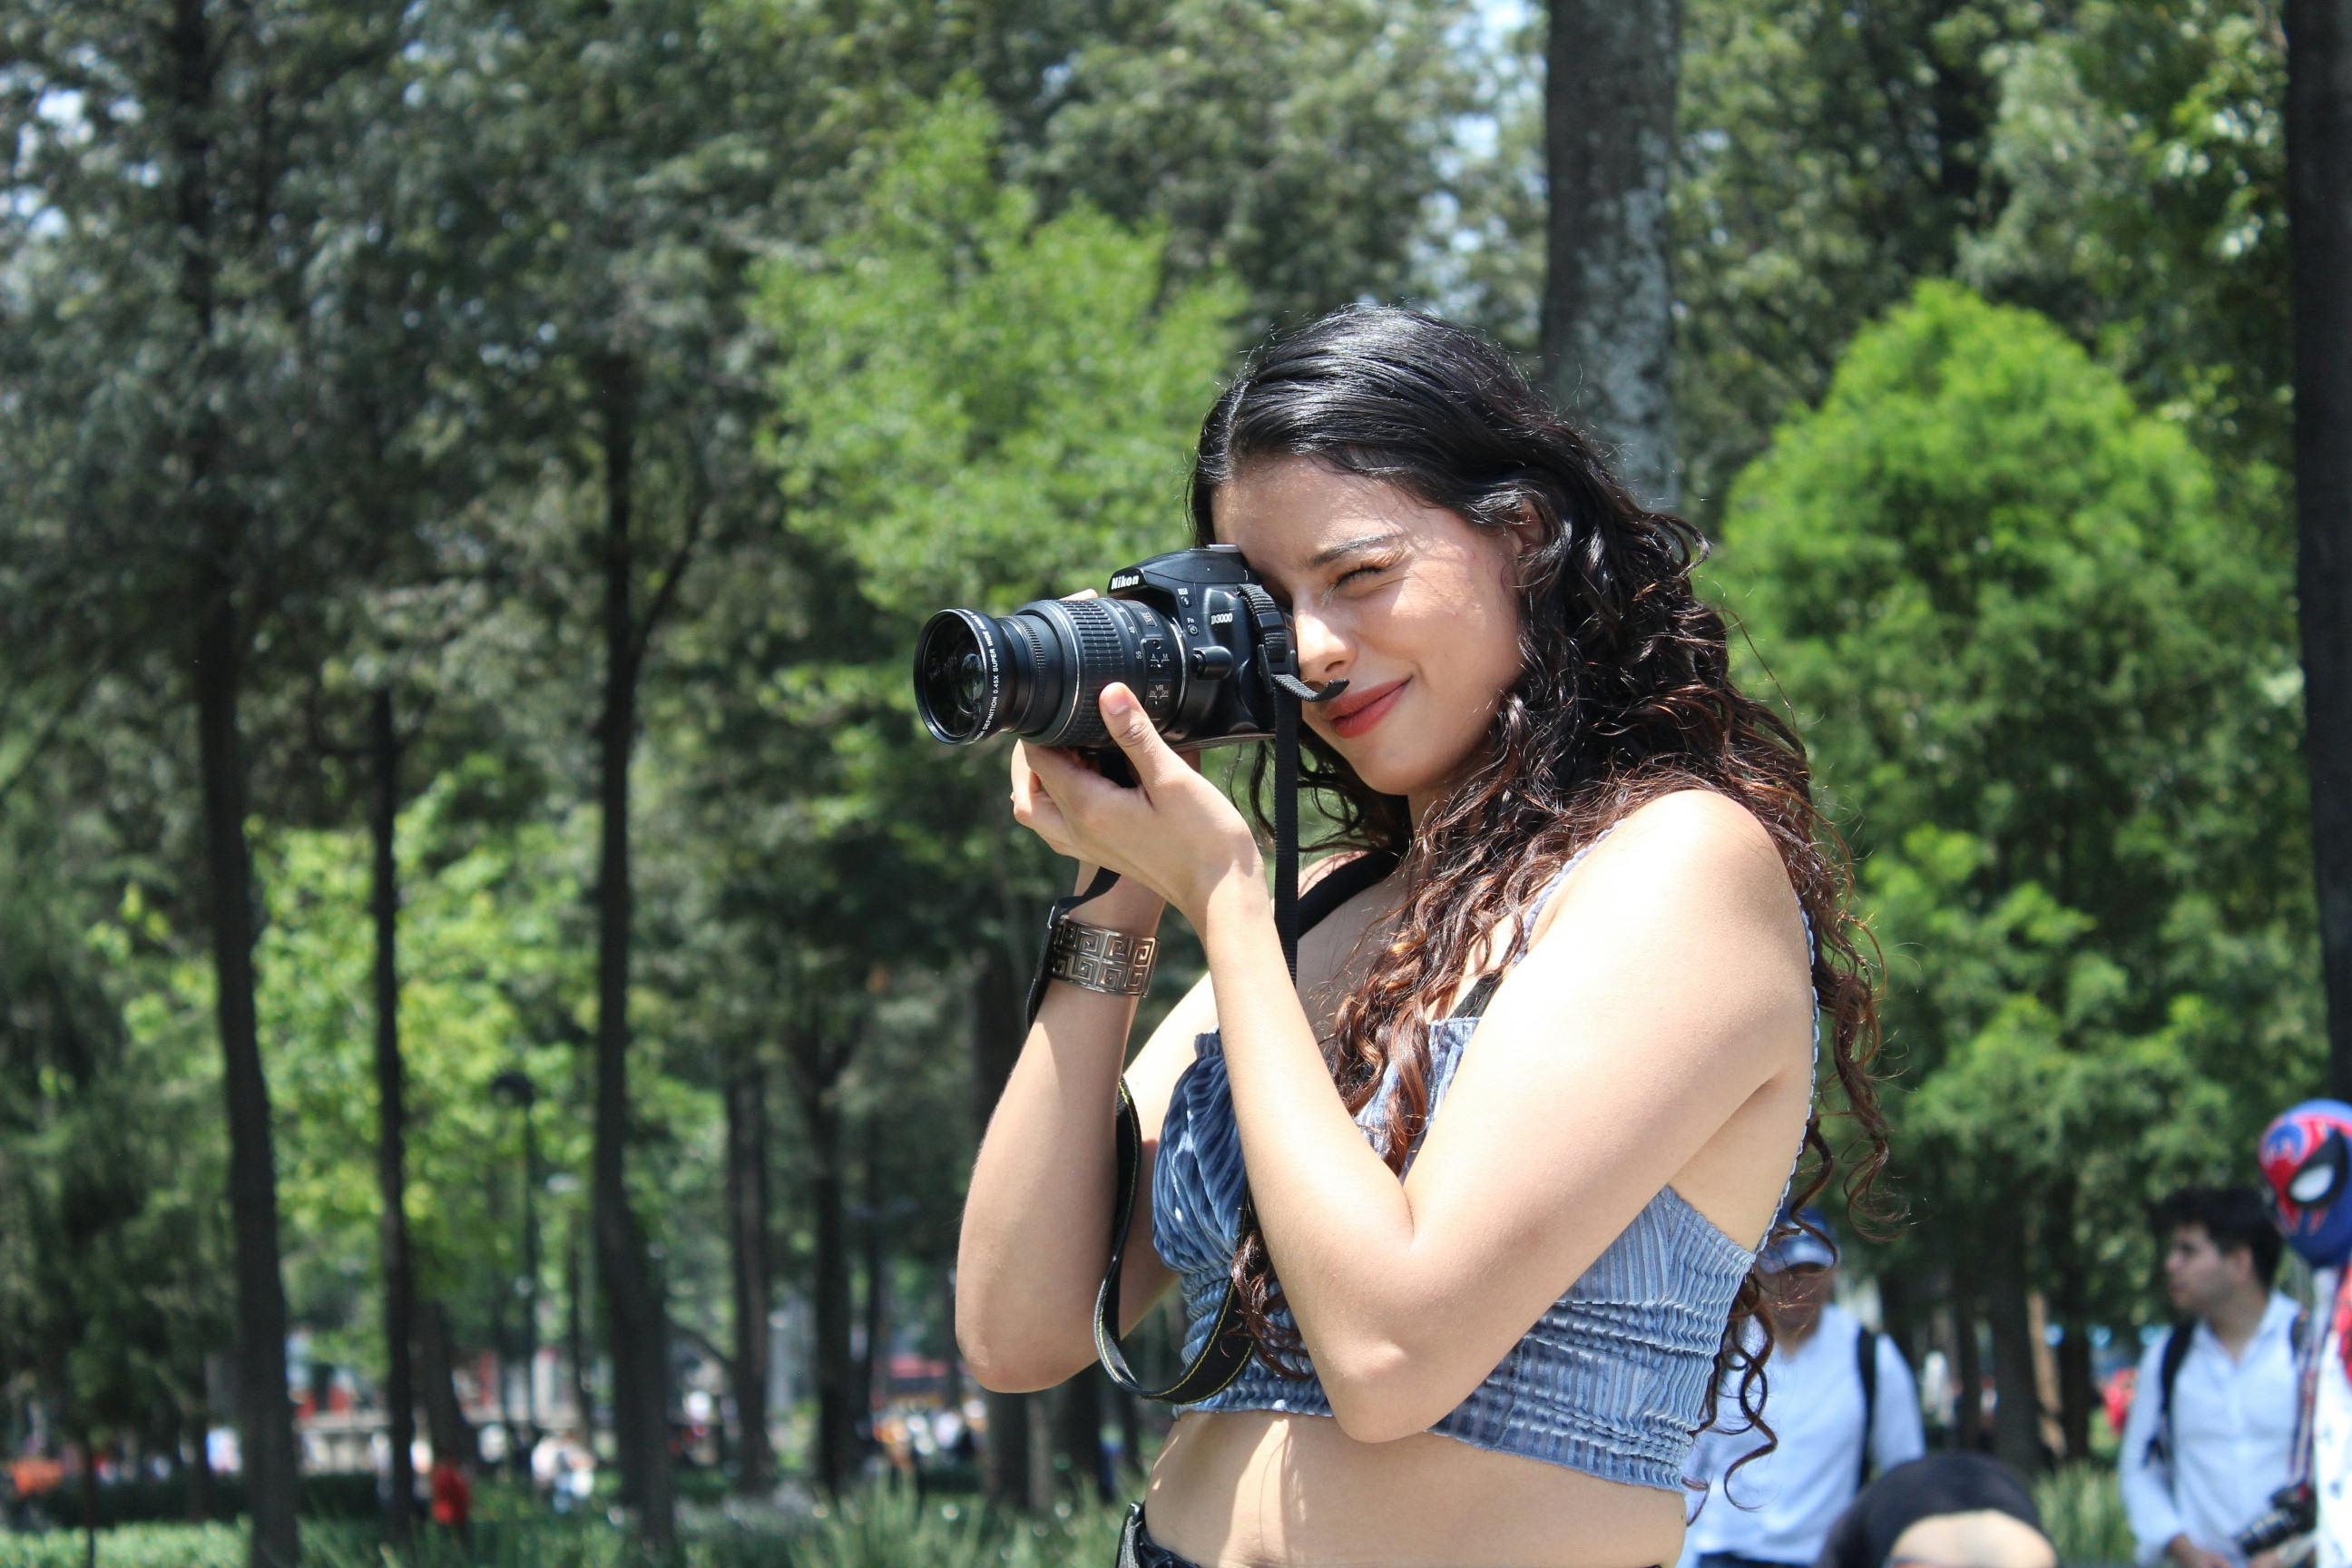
1624	695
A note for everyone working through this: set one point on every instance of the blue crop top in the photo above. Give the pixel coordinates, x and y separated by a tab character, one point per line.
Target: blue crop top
1612	1380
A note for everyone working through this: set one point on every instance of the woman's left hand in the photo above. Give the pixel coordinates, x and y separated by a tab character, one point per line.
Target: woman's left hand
1173	831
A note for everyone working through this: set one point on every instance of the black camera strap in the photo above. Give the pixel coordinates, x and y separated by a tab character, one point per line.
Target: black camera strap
1229	1346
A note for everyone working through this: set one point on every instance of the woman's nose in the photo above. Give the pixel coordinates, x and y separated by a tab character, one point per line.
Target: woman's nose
1323	652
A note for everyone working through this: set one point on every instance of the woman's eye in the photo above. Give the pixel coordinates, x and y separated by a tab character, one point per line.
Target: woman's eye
1373	570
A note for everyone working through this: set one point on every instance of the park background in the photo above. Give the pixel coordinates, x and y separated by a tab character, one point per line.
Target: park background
482	933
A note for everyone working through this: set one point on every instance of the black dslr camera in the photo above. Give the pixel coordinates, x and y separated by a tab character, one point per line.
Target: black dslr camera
1192	633
2294	1510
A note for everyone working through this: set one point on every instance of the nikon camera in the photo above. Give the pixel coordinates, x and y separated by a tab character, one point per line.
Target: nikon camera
1178	629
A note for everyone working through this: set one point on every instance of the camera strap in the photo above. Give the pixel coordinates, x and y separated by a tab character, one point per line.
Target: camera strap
1229	1345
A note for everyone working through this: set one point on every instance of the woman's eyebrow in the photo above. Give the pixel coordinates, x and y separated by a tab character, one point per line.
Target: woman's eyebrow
1331	553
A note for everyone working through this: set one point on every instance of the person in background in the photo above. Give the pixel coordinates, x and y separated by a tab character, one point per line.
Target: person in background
1841	1406
452	1498
1946	1511
2213	1405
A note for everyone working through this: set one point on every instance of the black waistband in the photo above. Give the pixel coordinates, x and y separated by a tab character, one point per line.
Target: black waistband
1138	1549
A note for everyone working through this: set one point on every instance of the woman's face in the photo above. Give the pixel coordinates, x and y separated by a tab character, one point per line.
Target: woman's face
1414	608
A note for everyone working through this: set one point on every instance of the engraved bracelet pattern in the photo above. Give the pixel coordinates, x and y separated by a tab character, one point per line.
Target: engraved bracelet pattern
1111	961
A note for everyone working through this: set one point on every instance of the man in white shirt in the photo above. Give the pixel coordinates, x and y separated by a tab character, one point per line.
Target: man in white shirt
1835	1423
2200	1460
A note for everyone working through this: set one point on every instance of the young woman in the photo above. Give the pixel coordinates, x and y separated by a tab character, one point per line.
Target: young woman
1502	1230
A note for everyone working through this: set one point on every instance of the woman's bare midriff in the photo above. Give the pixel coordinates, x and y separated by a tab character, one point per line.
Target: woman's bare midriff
1263	1489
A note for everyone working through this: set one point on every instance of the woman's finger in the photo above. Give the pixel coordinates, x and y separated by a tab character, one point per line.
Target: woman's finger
1130	727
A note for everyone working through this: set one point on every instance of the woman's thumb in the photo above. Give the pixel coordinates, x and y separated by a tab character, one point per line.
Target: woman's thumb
1132	728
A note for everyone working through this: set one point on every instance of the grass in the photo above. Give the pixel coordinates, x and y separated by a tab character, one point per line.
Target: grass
884	1526
2083	1514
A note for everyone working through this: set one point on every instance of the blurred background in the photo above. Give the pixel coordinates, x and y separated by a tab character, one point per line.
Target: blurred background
492	973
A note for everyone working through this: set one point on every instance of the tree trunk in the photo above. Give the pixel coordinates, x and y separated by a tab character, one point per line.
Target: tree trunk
1080	1436
1968	1369
1608	150
816	1079
2017	1407
873	1369
1968	1373
400	1376
2319	220
199	1468
2071	1304
1898	1316
264	1418
575	1334
638	1340
1131	1431
747	1209
999	998
446	1426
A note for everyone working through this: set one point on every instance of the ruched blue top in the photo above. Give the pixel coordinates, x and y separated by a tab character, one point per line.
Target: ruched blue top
1611	1381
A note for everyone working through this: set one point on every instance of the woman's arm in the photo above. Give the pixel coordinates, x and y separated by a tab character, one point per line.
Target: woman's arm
1670	987
1036	1218
1625	1040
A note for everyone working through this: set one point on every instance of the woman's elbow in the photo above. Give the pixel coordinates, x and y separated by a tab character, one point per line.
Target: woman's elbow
1375	1397
1011	1362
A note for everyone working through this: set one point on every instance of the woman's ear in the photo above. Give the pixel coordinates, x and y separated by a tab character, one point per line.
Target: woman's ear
1526	534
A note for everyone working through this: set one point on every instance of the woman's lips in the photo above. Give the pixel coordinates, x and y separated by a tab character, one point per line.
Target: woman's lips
1349	726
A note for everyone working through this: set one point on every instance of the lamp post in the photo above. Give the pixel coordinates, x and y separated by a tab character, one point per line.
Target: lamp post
515	1086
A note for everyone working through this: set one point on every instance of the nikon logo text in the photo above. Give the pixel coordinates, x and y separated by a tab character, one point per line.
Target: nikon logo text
1125	580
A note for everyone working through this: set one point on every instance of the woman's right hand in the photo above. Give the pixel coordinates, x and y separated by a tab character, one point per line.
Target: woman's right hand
1128	906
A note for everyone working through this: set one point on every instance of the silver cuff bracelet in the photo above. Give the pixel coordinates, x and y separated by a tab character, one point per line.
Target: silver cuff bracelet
1111	961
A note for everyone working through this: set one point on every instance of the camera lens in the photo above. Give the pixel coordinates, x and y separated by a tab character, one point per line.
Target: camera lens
960	676
1040	670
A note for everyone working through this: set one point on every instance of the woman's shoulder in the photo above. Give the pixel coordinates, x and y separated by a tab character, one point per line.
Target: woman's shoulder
1691	843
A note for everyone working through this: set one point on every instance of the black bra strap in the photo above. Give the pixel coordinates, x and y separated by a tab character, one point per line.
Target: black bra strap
1229	1345
1473	1001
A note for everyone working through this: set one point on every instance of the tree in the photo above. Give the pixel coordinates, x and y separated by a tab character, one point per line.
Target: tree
180	178
983	407
2049	688
2319	153
1608	154
1300	149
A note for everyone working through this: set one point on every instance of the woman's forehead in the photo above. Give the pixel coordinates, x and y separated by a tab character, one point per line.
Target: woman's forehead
1291	508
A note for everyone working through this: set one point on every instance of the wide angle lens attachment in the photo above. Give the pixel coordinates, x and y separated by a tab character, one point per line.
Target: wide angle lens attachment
961	666
1040	670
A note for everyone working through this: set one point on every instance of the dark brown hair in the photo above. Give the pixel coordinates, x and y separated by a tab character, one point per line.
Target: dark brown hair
1624	695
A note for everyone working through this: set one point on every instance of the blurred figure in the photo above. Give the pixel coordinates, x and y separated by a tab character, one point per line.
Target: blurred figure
1840	1402
2214	1404
1946	1510
2305	1157
452	1495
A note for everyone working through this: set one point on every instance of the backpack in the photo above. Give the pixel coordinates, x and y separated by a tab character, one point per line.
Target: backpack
1865	1364
2177	1340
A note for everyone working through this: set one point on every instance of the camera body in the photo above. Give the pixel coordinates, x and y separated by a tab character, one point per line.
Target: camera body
2294	1510
1192	633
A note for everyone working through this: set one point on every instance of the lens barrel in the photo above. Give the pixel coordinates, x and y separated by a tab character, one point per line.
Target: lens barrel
1040	670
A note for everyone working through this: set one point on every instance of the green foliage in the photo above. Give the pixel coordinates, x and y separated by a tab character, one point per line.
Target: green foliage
983	407
482	924
2144	149
2049	686
2083	1515
1299	148
885	1525
981	402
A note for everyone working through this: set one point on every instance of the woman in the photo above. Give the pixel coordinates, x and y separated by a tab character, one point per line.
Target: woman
1510	1315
